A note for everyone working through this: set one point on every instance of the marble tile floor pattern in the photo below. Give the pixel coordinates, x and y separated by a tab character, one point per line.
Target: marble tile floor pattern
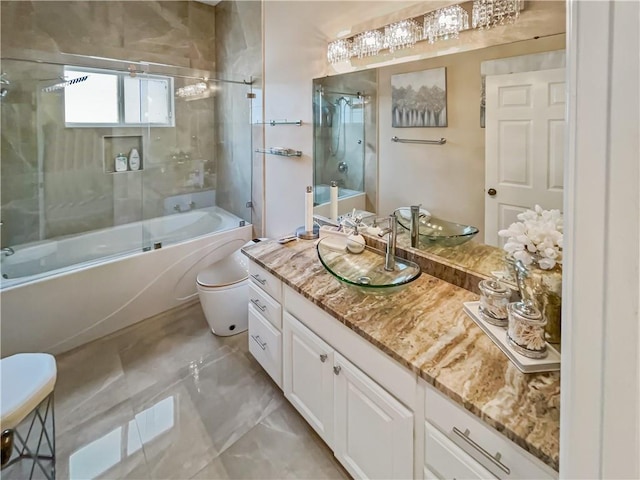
167	399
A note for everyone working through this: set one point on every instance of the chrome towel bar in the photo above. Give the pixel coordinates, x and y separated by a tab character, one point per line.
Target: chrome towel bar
442	141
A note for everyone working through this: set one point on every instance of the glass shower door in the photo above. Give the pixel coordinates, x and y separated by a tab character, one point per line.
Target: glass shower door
339	146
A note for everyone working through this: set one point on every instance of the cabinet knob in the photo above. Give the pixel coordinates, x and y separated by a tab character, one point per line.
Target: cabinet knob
492	192
337	369
323	357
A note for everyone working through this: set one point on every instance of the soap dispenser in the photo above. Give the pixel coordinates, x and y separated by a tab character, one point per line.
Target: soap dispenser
134	159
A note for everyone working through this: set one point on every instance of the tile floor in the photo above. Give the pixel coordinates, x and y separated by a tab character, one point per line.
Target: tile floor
167	399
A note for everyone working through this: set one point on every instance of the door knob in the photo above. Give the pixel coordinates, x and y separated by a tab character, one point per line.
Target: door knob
492	192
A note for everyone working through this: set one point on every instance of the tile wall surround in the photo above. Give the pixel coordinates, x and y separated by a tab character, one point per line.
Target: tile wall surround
78	196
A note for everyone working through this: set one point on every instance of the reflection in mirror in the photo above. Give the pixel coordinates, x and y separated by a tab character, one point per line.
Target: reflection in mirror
452	181
345	141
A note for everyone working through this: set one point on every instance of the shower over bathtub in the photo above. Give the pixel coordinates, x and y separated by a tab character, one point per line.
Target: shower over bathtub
120	181
63	307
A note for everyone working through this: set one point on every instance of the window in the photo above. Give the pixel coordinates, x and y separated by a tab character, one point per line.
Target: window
109	98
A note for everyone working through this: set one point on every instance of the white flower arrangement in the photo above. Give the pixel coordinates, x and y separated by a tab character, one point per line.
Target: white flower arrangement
536	237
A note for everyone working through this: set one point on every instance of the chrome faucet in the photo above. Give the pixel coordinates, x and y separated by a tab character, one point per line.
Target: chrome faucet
415	225
177	208
7	251
390	254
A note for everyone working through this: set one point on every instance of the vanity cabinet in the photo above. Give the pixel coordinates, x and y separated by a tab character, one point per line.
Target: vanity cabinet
459	445
265	320
308	376
380	419
370	432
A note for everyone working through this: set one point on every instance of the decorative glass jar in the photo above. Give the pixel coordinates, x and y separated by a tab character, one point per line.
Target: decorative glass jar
544	289
494	299
525	332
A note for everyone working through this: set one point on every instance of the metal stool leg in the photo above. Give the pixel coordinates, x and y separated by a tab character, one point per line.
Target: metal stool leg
38	444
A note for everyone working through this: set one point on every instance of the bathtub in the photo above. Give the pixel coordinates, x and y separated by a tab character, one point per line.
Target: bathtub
48	306
347	200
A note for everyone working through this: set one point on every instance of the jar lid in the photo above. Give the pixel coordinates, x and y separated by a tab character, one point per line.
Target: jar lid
526	311
494	287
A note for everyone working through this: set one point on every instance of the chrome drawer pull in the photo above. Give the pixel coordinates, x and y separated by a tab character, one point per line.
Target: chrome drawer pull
337	369
257	278
495	460
257	304
259	342
323	357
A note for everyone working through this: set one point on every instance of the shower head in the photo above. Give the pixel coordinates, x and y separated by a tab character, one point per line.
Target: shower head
65	84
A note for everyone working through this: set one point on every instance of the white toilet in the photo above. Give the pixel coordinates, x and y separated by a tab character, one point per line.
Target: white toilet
223	289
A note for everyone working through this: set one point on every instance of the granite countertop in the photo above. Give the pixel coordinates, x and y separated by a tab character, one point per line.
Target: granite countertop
424	328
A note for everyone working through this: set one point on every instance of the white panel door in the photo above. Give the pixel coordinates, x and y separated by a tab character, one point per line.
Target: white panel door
524	149
308	376
373	431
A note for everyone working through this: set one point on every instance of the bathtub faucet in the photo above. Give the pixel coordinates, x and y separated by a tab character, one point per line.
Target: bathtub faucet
7	251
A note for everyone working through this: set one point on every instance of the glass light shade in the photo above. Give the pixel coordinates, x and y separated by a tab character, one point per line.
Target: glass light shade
445	23
402	34
490	13
339	50
192	90
368	43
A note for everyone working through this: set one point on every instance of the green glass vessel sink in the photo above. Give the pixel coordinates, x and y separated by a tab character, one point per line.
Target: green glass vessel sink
436	231
364	270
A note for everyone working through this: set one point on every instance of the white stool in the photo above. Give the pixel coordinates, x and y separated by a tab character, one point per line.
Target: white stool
27	423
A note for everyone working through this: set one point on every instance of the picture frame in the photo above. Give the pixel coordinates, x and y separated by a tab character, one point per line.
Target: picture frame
419	99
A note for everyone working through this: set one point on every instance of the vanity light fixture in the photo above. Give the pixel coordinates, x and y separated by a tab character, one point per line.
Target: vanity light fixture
402	34
441	24
368	43
340	50
491	13
445	23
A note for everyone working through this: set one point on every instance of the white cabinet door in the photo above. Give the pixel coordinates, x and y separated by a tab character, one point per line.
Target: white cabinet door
373	431
308	376
524	149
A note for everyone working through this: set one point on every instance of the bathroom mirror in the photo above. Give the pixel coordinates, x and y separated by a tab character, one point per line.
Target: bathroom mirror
450	180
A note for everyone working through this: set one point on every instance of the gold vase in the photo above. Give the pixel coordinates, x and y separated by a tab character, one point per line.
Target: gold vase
544	289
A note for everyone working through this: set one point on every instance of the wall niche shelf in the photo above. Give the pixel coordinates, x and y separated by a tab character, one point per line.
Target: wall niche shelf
283	152
273	123
112	145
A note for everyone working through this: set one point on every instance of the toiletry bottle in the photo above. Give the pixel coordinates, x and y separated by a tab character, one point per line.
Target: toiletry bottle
120	163
134	159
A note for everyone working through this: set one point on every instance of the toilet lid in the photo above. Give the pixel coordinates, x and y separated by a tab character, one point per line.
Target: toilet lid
231	270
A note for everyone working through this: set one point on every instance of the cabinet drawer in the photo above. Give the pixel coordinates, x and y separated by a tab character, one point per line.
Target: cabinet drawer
266	281
265	344
445	460
502	457
269	308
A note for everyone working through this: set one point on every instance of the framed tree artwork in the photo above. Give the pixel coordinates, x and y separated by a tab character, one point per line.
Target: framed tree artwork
419	99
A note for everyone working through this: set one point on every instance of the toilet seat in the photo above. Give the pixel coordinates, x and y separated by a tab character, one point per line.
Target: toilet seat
229	271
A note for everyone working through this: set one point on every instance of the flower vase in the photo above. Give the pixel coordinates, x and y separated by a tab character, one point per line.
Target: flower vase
544	289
